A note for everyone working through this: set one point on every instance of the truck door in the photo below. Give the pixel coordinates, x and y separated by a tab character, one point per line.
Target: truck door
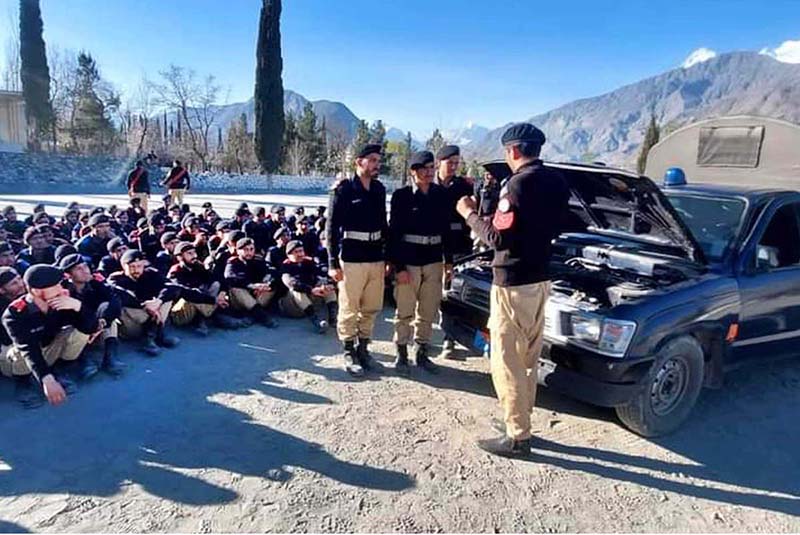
769	283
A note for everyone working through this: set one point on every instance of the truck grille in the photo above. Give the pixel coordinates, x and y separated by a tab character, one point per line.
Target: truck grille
477	297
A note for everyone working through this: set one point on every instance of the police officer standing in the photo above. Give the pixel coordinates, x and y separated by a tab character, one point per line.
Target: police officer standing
419	251
356	236
139	185
531	209
177	183
448	160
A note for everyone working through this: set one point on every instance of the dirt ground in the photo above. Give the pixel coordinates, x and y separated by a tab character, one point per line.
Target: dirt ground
261	430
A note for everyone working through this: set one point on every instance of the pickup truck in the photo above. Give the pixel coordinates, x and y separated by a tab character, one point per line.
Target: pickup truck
656	292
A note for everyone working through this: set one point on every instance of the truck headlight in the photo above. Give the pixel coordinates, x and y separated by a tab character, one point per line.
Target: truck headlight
611	337
586	328
616	336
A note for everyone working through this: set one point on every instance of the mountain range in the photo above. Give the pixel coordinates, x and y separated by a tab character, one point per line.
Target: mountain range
611	127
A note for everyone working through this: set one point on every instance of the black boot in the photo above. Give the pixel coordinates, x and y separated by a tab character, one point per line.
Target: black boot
201	328
111	363
506	447
423	361
321	326
351	361
165	340
223	321
449	350
28	392
86	367
149	345
333	314
401	362
260	315
364	357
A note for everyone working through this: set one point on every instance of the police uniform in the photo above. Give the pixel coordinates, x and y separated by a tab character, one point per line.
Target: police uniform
357	232
198	289
94	248
41	338
300	278
177	183
240	276
532	207
455	188
139	186
133	292
419	230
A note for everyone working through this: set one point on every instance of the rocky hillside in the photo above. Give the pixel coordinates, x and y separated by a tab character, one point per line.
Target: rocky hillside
610	127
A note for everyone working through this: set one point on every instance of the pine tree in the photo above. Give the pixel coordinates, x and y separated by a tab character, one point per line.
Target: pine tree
650	138
311	141
91	130
436	141
35	73
270	121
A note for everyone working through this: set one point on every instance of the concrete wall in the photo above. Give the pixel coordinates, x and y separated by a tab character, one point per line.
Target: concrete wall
13	127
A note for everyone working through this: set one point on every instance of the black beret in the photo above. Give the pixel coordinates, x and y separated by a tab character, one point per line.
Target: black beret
156	219
244	205
447	151
223	225
7	274
5	247
244	242
242	211
189	221
8	209
280	232
523	133
369	148
420	159
292	245
206	204
184	246
142	223
166	197
168	237
132	255
64	250
70	261
234	236
277	208
115	243
43	276
98	219
96	210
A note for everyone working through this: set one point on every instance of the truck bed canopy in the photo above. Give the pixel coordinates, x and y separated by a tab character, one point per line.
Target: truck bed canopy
741	150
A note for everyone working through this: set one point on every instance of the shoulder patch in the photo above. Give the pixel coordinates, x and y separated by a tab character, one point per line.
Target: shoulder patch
19	304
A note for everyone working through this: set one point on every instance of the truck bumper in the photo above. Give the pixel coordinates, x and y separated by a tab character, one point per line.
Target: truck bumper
576	372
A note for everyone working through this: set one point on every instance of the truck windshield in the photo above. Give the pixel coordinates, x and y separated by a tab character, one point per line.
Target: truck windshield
714	221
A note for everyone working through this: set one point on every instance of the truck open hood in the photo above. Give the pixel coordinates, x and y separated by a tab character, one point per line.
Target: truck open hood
621	203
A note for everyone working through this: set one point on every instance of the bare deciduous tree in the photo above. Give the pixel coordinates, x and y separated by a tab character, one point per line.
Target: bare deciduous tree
12	63
196	104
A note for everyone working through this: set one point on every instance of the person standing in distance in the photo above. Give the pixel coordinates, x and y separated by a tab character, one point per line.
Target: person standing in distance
356	234
139	184
531	209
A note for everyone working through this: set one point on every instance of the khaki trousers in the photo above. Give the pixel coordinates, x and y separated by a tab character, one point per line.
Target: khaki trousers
418	302
133	319
294	304
516	325
143	197
360	299
242	299
184	312
176	196
67	345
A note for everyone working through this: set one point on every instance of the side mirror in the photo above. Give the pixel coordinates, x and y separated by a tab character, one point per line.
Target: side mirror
767	258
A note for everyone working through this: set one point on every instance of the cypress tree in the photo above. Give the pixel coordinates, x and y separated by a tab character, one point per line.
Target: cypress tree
34	73
270	121
650	138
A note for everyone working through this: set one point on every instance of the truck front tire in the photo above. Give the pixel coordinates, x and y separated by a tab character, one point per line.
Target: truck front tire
670	390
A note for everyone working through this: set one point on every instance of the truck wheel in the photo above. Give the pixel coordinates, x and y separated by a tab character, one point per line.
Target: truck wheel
671	390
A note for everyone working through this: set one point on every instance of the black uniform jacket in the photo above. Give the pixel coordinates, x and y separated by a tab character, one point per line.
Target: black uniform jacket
352	208
416	215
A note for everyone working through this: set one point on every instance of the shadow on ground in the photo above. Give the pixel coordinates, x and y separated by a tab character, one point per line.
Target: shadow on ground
161	426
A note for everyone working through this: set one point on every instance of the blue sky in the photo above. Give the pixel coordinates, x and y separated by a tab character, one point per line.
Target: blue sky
418	64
